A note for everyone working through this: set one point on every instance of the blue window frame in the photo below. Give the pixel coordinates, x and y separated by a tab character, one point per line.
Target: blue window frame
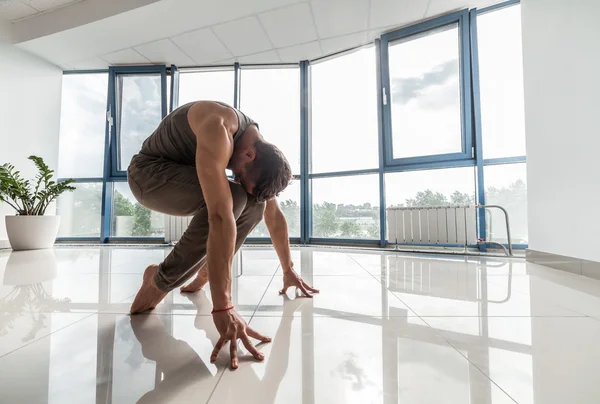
133	89
458	22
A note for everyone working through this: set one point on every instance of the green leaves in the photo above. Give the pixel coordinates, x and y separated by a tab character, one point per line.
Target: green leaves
17	192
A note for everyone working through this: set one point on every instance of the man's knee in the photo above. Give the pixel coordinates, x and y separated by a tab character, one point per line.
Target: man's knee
256	211
239	197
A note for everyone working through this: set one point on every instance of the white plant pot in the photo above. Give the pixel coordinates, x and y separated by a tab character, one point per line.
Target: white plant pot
32	232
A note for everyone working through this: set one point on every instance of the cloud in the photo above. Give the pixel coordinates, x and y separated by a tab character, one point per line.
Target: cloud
406	89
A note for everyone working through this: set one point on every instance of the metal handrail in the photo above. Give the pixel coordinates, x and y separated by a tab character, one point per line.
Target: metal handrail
508	236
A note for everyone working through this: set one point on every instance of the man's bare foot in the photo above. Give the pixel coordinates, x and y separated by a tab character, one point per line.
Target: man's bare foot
198	283
149	294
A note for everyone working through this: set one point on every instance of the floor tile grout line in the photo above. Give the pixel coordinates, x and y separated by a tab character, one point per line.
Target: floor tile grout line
521	293
471	363
251	317
216	385
51	333
438	333
264	294
89	314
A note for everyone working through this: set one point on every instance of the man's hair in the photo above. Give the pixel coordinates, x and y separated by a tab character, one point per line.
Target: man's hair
270	170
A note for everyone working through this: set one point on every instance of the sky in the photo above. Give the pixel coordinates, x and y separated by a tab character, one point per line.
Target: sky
425	112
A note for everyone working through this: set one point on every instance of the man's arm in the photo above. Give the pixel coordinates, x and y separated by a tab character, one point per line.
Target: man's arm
212	155
278	229
214	148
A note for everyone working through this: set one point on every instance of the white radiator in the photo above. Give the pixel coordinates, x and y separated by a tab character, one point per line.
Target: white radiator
175	226
432	225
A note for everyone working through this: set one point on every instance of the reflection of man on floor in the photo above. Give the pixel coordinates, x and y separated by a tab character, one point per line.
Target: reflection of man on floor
180	171
184	370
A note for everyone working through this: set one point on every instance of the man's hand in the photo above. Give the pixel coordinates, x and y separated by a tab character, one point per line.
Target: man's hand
292	279
231	327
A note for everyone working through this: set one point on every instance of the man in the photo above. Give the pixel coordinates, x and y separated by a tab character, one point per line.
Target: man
180	171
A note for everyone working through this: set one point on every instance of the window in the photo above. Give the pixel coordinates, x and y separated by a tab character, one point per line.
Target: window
139	106
130	219
344	113
80	211
346	207
210	85
506	185
425	94
426	78
501	83
289	201
82	125
451	186
271	97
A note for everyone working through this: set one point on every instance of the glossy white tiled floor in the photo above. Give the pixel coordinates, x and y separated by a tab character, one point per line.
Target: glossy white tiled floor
386	328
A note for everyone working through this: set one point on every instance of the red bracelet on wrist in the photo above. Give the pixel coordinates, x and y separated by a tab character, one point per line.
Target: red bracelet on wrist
225	309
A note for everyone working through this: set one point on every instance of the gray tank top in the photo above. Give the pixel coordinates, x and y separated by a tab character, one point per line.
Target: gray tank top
174	139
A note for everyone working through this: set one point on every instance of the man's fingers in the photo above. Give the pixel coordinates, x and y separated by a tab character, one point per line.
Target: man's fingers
257	336
215	352
304	291
308	287
251	348
233	352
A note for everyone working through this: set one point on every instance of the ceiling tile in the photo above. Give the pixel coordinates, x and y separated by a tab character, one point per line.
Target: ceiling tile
91	63
294	54
202	46
125	57
44	5
164	51
13	10
341	43
396	12
243	37
340	17
290	25
263	57
437	7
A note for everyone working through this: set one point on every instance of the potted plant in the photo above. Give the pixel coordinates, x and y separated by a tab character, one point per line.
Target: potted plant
29	229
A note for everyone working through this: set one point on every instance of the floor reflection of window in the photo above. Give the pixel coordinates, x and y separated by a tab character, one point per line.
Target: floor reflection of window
132	373
357	378
72	362
420	362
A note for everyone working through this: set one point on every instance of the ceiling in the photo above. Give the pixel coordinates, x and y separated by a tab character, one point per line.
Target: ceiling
12	10
93	34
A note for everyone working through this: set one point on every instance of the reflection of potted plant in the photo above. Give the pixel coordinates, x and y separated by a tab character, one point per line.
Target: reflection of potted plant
30	229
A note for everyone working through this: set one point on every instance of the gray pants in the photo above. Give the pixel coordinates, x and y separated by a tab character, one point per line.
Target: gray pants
173	189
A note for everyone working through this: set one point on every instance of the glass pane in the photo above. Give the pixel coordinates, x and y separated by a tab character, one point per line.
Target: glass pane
501	83
206	85
344	113
452	186
130	219
506	185
289	201
80	211
140	112
272	98
82	125
346	207
425	94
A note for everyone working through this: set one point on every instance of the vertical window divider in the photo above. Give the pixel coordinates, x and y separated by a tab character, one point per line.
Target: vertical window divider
305	150
474	59
381	127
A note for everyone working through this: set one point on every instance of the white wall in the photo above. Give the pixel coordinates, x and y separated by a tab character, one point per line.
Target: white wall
561	58
30	95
